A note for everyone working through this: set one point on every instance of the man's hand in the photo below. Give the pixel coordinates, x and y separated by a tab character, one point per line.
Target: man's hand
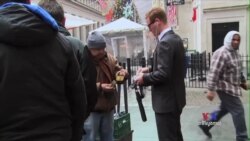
210	95
122	72
139	79
142	70
107	87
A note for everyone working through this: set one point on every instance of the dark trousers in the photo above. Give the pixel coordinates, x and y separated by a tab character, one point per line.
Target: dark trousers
169	126
232	105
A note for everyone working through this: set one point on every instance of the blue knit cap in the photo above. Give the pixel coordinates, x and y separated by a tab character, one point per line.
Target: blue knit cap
96	40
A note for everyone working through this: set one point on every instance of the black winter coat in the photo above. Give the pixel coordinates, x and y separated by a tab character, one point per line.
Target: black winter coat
41	88
87	67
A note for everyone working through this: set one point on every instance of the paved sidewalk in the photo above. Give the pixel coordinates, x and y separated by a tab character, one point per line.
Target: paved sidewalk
192	113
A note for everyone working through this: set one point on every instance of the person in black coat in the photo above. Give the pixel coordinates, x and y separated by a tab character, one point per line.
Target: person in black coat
166	77
85	61
42	95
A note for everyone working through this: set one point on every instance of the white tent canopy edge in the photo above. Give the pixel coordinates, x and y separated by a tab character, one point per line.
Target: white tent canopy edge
124	25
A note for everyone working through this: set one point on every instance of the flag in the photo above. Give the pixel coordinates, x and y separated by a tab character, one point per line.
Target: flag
171	15
109	15
106	5
194	15
103	4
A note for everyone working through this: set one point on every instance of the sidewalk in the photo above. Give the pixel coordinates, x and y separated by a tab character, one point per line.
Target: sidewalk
192	113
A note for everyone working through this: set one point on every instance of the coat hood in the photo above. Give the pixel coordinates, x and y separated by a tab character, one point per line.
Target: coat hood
228	39
25	25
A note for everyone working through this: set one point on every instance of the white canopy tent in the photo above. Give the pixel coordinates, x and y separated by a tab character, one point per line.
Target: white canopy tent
123	27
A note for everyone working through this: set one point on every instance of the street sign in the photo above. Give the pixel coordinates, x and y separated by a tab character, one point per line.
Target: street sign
175	2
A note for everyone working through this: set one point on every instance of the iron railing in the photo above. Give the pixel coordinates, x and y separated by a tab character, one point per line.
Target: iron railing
196	68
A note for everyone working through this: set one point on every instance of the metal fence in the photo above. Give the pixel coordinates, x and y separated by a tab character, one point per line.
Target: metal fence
197	66
196	69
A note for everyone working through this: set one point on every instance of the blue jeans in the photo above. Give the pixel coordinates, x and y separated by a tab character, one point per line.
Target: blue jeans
101	124
233	105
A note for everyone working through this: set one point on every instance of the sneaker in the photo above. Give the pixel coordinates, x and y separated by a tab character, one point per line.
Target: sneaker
205	130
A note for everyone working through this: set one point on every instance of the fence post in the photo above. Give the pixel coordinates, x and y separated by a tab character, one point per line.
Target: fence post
129	70
125	92
151	62
143	62
209	60
201	67
192	65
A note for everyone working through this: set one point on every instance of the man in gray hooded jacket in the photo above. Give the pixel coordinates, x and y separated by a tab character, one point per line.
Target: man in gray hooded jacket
225	78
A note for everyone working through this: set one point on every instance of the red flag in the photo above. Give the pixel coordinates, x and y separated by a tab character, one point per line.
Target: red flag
194	15
109	15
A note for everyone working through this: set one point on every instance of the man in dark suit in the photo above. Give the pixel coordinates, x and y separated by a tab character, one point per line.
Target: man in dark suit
166	77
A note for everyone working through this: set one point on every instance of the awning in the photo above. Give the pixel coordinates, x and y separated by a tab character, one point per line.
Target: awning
76	21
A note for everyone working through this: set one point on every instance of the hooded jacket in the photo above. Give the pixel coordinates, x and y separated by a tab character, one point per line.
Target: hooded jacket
226	68
41	88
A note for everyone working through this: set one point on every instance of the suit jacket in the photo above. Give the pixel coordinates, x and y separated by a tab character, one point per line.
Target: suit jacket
167	76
